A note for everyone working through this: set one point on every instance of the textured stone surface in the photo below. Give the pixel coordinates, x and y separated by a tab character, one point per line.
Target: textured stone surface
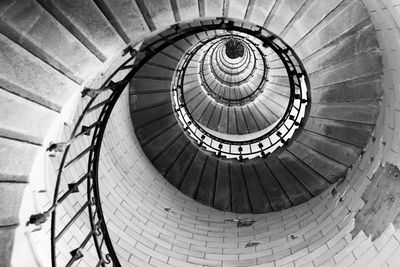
10	197
27	76
84	20
125	16
212	8
281	15
314	233
156	13
6	242
382	203
187	9
16	159
336	25
28	24
258	11
23	120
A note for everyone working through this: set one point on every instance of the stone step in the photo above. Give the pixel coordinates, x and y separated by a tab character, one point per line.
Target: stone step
25	115
157	146
330	169
223	197
27	23
126	18
148	131
144	117
157	14
179	169
209	114
146	101
258	197
348	132
192	179
311	180
334	27
349	45
310	15
361	89
27	76
169	156
276	194
88	24
360	112
339	151
240	194
206	189
358	66
293	188
281	14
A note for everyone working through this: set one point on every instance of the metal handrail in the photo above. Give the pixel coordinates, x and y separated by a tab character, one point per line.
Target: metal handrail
265	143
101	104
95	219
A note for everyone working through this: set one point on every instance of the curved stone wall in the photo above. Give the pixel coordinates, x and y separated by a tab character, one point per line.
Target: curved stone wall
155	224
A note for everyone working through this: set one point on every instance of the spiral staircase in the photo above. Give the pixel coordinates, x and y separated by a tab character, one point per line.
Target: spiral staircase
199	133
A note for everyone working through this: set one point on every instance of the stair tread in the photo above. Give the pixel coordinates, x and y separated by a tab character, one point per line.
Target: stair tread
155	128
314	182
341	152
222	196
326	167
164	162
365	88
155	147
240	197
294	190
275	193
258	198
147	116
206	189
349	132
192	178
144	101
343	49
361	112
176	173
241	122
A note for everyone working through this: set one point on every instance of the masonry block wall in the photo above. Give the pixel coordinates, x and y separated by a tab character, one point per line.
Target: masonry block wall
151	223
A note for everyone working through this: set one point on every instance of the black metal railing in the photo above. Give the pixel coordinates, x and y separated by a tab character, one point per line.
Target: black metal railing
91	124
84	190
265	141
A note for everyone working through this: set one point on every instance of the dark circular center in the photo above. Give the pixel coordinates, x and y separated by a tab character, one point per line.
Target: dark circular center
234	49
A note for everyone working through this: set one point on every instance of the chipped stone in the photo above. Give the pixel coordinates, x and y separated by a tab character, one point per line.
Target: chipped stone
252	244
383	195
242	222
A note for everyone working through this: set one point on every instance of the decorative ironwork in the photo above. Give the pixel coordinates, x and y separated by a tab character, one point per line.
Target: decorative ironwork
99	107
267	140
101	104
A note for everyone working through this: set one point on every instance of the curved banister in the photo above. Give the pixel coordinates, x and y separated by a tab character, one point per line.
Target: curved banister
98	233
103	101
267	141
